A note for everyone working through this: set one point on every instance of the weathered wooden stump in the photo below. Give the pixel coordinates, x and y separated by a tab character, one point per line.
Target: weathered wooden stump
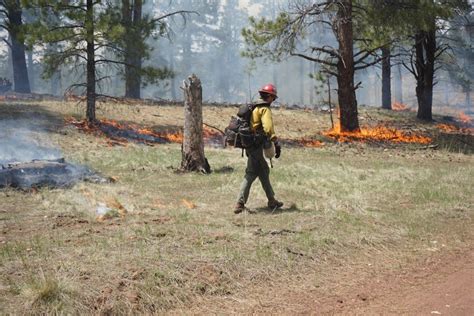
192	150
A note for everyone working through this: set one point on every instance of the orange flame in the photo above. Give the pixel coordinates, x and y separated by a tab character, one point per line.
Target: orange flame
450	128
463	117
447	128
397	106
171	136
377	133
311	143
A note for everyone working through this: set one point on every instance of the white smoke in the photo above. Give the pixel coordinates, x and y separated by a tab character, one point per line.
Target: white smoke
20	143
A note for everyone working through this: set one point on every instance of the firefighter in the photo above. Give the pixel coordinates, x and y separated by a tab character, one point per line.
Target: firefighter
262	124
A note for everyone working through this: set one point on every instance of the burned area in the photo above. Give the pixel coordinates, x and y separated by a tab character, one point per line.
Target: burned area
28	158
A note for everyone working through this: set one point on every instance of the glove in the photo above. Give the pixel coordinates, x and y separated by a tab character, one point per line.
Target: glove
277	150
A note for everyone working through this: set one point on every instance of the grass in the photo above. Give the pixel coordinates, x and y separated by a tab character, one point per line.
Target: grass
180	244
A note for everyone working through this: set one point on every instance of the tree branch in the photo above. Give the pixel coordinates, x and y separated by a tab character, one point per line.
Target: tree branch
316	60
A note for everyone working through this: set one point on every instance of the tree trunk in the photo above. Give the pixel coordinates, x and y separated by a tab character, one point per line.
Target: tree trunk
346	91
398	84
302	79
192	150
20	72
425	48
55	80
174	96
56	83
446	93
131	17
468	101
31	69
386	79
90	89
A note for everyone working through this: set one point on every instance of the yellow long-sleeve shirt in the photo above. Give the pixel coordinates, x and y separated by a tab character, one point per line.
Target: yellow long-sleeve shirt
262	120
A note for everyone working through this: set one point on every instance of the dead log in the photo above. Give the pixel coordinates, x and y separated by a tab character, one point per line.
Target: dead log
192	149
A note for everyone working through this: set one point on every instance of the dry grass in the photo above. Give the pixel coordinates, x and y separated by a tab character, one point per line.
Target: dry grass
179	242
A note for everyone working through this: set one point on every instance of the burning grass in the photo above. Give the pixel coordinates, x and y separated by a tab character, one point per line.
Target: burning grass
378	133
454	129
122	133
397	106
464	118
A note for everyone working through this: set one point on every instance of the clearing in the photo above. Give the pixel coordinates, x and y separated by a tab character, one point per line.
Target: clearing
368	227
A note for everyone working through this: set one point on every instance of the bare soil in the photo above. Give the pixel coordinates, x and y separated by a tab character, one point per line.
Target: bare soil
443	285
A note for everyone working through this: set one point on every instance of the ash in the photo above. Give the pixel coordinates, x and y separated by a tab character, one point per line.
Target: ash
46	173
28	159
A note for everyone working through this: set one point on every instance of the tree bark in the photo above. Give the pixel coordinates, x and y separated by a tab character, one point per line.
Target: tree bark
56	83
132	15
192	151
31	69
90	84
398	84
468	102
302	79
386	79
173	93
425	50
20	72
55	80
346	91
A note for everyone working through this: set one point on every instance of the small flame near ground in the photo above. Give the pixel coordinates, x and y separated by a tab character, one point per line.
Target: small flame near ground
377	133
453	129
374	134
209	134
311	143
397	106
464	118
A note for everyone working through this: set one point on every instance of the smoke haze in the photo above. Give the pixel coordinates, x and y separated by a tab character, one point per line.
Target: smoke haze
19	143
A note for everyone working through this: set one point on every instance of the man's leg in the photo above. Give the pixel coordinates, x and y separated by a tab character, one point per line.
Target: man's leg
251	173
264	177
245	187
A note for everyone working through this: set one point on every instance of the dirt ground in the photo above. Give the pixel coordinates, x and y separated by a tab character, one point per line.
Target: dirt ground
443	286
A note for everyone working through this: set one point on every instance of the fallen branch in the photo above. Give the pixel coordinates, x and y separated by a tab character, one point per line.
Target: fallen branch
217	129
434	146
298	253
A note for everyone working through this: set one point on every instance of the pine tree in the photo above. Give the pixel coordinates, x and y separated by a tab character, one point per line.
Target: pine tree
138	27
12	11
282	37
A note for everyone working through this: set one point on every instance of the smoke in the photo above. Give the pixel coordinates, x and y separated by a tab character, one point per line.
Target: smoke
29	159
21	143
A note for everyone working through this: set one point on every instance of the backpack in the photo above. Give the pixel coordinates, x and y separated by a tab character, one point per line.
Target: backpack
239	133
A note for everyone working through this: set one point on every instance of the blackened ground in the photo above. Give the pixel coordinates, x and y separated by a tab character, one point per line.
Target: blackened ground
43	173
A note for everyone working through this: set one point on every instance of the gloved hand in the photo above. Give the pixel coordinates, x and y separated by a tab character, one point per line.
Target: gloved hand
277	150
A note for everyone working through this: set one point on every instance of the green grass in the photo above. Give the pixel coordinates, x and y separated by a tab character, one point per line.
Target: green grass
344	205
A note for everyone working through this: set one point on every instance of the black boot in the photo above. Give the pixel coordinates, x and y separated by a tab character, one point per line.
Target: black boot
274	204
239	208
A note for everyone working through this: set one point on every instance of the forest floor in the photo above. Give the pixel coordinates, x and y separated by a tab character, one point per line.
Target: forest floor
368	227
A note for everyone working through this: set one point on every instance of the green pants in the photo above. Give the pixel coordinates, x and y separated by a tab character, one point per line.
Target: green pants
257	167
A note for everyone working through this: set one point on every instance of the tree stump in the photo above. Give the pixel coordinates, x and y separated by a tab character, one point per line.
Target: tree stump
192	150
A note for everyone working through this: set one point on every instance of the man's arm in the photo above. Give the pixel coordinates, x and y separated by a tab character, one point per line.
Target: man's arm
267	123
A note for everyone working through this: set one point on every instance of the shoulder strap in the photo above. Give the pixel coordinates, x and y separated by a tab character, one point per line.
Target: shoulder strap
263	105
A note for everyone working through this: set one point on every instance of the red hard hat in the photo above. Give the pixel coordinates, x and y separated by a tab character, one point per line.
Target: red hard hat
270	89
